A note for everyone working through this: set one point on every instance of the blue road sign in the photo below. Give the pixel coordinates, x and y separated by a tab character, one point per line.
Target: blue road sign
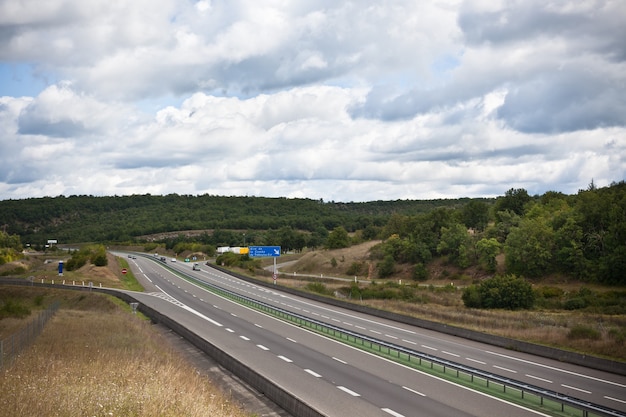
264	251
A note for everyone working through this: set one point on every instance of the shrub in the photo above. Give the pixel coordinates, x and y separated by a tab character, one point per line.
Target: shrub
618	335
387	267
471	297
100	259
317	287
39	300
583	332
508	292
549	292
575	303
420	273
356	268
228	259
18	270
15	309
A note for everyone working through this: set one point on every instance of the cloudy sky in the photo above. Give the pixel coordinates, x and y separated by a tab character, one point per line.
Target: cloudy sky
338	100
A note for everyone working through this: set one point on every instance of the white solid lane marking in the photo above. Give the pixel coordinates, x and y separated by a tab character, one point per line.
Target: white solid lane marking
576	389
615	399
540	379
413	391
393	413
349	391
315	374
505	369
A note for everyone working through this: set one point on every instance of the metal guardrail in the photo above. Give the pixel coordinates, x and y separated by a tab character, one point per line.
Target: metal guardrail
12	345
585	408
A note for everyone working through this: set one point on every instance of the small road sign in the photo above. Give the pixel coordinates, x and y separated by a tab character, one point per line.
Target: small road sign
124	271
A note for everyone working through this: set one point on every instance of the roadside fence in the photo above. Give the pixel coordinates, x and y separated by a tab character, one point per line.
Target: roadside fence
12	345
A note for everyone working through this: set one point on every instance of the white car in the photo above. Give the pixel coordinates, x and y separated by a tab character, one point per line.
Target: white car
173	259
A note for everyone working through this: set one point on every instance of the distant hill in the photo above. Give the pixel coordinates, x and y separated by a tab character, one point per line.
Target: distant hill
124	218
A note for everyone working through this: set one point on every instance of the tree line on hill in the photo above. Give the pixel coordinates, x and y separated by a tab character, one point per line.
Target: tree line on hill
125	218
581	235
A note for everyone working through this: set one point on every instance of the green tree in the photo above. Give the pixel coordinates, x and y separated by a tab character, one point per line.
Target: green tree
514	200
488	249
528	248
475	215
569	256
455	242
338	238
99	256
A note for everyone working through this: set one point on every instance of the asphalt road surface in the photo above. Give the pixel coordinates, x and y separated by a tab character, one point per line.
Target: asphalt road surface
340	380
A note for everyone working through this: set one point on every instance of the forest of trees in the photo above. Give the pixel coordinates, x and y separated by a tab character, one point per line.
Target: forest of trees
117	219
581	235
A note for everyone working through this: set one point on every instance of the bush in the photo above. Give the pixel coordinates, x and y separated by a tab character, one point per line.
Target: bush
100	259
420	273
317	287
549	292
575	303
15	309
387	267
508	292
228	259
583	332
471	297
18	270
618	335
356	268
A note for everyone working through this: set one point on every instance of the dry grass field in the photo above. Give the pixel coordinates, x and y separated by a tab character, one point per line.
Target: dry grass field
95	358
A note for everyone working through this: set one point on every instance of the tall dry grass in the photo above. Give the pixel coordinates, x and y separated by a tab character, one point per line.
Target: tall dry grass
549	328
106	363
546	327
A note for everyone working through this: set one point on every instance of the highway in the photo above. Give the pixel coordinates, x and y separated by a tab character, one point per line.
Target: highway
340	379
